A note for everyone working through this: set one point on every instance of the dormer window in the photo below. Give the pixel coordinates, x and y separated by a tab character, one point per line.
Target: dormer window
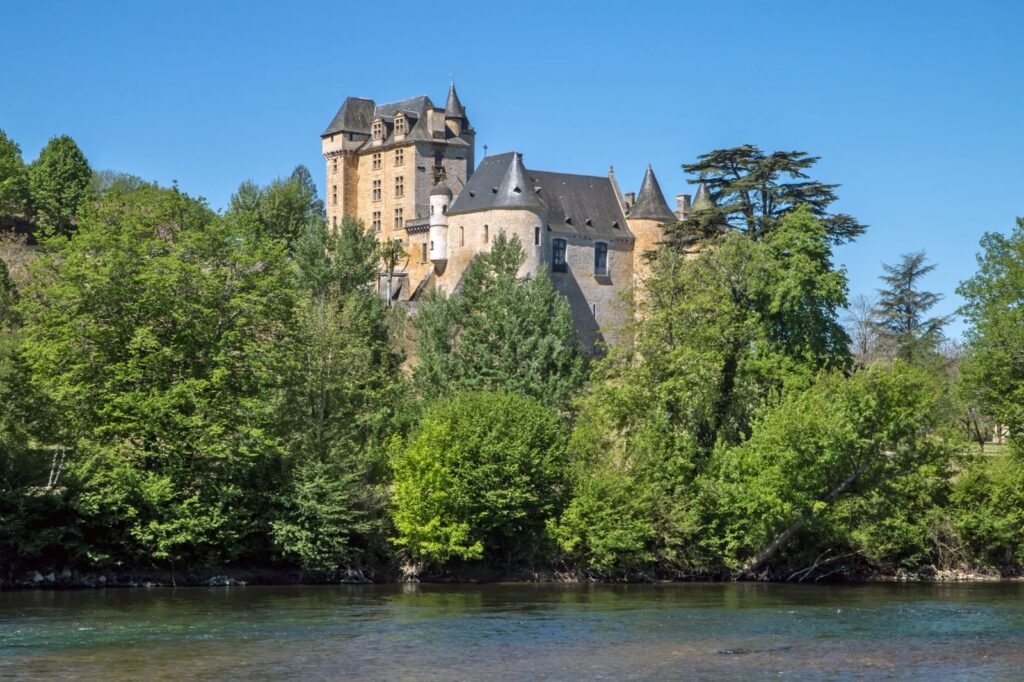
378	129
400	124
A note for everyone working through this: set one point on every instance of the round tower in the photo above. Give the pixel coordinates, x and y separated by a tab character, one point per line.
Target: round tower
646	217
440	199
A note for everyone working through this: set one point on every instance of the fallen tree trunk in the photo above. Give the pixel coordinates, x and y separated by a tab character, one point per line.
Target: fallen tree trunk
782	538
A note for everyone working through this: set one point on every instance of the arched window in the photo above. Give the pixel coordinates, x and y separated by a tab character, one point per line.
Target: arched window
601	259
558	255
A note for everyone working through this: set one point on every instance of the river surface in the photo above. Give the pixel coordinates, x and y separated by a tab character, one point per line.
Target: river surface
732	631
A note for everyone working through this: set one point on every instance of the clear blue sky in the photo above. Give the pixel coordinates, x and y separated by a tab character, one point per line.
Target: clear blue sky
915	107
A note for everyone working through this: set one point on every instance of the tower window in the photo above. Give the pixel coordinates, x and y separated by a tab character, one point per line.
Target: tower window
334	165
376	221
558	255
400	186
462	236
423	252
487	234
378	130
399	157
600	259
536	236
376	160
376	190
444	209
399	221
334	195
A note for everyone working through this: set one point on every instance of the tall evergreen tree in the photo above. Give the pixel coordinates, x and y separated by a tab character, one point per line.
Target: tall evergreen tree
901	314
751	191
59	182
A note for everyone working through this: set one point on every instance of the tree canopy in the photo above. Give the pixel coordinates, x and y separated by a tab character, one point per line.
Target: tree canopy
59	182
751	191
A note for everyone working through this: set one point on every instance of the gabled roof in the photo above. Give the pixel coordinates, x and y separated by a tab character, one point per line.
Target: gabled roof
582	205
650	202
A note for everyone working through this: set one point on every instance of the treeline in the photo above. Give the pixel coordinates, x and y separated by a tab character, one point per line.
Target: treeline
187	389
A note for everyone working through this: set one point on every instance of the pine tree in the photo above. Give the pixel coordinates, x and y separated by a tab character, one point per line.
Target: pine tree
901	315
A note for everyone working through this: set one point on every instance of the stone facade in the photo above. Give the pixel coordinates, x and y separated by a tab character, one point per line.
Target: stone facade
406	170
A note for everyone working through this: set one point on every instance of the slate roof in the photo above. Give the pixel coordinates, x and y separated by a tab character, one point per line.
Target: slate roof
453	108
650	202
702	199
580	205
356	114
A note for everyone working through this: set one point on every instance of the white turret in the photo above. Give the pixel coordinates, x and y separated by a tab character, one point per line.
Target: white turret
440	199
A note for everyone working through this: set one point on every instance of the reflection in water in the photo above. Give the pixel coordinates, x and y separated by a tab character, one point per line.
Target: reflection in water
443	632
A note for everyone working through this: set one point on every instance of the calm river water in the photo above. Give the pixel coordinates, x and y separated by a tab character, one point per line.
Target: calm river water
527	632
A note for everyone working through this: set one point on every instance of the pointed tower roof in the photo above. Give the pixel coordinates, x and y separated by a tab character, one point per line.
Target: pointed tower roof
453	108
702	199
516	189
441	189
650	202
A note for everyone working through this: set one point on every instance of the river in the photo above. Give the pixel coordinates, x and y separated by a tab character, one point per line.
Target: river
522	632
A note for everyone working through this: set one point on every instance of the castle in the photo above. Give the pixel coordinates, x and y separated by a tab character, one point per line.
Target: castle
407	170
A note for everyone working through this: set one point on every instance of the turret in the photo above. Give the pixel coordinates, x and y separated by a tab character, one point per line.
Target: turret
455	113
440	199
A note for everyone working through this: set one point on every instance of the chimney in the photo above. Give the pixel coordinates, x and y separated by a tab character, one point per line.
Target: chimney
630	199
682	205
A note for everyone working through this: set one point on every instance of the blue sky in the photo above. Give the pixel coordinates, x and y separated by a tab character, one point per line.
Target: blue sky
914	107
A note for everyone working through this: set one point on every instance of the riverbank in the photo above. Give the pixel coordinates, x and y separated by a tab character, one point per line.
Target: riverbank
70	579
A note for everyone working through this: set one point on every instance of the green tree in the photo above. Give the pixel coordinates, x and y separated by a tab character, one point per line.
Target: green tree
13	179
479	478
993	373
59	182
901	314
157	331
284	209
843	439
749	193
339	408
498	333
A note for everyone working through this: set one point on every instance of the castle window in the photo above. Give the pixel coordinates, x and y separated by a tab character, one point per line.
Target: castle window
334	166
423	253
334	195
399	221
600	259
400	124
444	209
376	190
558	255
431	209
399	157
378	130
487	234
536	236
400	186
376	221
376	160
462	236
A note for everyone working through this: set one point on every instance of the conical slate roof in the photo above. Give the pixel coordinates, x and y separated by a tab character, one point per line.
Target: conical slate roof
516	190
453	108
441	189
650	203
702	200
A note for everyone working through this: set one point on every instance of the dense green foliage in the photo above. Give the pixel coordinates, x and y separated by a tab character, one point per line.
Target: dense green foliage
498	333
479	477
13	178
59	182
185	389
